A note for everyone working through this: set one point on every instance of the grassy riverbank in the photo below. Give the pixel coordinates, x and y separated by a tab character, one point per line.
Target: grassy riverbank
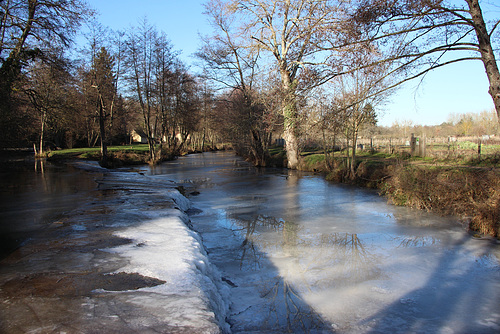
467	188
118	155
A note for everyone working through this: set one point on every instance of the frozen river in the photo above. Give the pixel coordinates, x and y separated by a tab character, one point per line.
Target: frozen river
303	254
273	251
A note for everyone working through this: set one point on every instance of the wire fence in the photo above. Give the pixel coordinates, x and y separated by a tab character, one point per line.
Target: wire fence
433	146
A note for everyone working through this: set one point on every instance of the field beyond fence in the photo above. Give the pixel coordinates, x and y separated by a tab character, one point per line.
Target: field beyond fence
435	147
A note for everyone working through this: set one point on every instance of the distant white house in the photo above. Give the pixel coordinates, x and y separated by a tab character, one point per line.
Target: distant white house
139	136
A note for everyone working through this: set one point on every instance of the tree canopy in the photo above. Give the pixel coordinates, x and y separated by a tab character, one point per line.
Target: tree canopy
419	36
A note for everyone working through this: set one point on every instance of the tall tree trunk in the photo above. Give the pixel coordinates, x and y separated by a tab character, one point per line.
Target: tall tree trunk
353	154
102	130
42	132
257	148
290	121
292	146
325	151
203	139
334	142
487	55
347	154
152	149
150	132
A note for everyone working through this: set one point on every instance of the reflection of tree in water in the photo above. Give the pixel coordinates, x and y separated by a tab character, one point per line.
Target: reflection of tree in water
254	228
250	254
340	259
288	311
284	309
317	259
248	249
341	256
415	241
290	233
309	262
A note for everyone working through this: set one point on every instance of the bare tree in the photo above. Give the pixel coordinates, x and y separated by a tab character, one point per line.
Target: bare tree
99	76
28	26
47	85
164	90
28	29
180	107
228	61
147	56
163	82
207	105
430	34
103	80
296	34
358	94
232	64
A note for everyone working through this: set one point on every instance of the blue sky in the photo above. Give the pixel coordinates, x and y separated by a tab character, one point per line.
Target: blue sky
458	88
181	20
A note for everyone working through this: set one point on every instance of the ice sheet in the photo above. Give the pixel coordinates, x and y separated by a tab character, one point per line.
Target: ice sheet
165	248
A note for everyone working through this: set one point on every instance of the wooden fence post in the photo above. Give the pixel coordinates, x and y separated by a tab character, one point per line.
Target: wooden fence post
479	148
421	145
413	144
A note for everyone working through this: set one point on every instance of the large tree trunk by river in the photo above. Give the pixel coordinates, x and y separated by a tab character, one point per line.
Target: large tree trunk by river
292	147
290	115
102	132
487	54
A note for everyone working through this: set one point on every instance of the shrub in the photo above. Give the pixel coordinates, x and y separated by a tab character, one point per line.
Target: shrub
371	173
471	193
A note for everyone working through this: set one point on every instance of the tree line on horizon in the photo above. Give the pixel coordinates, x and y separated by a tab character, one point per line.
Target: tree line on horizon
270	69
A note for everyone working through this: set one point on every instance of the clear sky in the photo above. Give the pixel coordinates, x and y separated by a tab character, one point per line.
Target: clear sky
458	88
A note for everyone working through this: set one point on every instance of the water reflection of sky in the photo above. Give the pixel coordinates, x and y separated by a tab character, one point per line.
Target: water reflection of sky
344	250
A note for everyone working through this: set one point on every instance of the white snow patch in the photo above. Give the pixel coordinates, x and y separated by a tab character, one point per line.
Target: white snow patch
165	248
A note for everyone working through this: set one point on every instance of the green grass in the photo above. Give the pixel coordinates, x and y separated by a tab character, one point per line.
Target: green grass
490	157
467	145
314	159
94	153
89	151
490	149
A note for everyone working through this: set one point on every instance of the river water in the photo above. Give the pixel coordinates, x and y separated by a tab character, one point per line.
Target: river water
295	252
301	253
35	193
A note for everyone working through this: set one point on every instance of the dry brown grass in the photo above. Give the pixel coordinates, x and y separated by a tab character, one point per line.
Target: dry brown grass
471	193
